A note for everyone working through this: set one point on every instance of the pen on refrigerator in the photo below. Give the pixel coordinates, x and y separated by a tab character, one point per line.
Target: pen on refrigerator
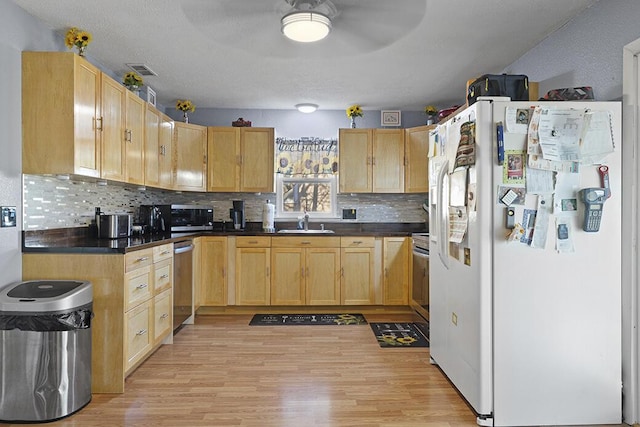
500	135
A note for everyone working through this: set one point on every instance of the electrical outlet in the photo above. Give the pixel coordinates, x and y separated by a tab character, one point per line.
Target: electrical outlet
8	216
348	214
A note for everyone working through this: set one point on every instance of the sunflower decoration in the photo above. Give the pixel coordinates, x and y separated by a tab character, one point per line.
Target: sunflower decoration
77	38
430	110
354	111
348	319
132	80
284	165
185	106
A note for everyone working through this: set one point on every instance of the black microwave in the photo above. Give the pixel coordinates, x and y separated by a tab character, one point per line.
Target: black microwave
177	218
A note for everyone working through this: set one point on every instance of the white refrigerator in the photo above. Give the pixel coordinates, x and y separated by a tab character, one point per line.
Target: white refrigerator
526	321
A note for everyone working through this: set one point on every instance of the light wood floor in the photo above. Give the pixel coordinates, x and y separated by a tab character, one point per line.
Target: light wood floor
222	372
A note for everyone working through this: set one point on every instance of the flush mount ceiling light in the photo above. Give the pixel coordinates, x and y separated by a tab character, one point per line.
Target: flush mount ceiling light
306	108
305	27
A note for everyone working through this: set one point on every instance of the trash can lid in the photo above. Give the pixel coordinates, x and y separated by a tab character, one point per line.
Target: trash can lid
45	295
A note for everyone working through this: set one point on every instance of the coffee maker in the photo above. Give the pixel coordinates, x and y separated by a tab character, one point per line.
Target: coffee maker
237	215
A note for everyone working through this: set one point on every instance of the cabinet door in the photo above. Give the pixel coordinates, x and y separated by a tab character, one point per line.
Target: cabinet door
213	274
162	275
256	170
287	276
416	171
357	278
190	153
253	276
113	129
355	165
322	276
134	139
165	161
138	333
388	160
88	120
162	316
396	264
152	147
224	159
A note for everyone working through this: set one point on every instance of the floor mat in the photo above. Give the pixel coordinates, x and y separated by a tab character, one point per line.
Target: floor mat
399	335
308	319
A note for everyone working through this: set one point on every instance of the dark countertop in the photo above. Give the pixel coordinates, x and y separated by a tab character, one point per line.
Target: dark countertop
83	240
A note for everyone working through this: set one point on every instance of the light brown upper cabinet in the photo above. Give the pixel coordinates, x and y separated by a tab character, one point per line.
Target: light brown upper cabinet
61	117
78	121
190	162
371	160
241	159
416	167
158	149
134	138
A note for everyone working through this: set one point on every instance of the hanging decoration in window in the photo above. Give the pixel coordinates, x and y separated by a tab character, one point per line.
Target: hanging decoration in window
306	156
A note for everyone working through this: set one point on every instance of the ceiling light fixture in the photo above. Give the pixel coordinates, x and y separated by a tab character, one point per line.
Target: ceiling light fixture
306	108
306	27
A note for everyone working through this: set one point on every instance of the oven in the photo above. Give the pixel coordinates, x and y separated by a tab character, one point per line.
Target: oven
419	295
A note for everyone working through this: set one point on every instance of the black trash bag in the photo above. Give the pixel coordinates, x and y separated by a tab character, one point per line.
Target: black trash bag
47	322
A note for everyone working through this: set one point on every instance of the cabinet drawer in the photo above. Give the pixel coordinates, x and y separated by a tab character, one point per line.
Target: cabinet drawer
162	252
162	275
137	286
162	315
305	242
253	242
136	259
357	242
138	339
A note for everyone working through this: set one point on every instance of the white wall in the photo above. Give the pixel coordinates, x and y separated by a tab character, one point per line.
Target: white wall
586	51
19	31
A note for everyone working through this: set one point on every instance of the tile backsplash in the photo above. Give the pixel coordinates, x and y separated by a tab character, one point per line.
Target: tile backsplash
50	202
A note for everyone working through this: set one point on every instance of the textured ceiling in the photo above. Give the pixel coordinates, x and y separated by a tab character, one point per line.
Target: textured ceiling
382	54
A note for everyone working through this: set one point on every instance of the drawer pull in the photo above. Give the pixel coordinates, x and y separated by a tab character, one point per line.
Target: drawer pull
141	332
357	242
165	252
253	242
164	276
164	316
142	286
305	242
144	258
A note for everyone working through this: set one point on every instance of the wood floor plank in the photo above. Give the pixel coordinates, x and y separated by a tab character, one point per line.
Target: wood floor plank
222	372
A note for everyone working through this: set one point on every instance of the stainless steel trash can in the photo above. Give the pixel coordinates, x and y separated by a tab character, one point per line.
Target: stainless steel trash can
45	349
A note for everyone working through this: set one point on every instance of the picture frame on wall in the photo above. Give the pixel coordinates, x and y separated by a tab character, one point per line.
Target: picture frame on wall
390	117
151	96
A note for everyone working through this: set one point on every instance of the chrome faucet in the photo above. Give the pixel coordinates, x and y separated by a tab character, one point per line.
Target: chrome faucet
306	220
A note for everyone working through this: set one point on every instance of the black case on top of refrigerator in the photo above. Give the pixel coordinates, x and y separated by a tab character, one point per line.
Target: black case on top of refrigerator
515	86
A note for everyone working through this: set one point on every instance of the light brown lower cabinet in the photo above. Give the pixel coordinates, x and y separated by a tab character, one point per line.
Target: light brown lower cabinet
357	276
305	271
213	270
253	270
131	305
396	263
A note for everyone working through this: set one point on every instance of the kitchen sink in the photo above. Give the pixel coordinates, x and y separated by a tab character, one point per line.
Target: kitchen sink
306	231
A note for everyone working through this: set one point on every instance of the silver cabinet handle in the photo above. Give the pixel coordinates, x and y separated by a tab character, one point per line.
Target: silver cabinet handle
144	258
142	286
164	316
141	332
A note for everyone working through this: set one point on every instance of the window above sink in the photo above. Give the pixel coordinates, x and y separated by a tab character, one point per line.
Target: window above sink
315	194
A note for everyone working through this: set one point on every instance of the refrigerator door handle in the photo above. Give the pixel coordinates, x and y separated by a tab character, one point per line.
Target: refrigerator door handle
442	215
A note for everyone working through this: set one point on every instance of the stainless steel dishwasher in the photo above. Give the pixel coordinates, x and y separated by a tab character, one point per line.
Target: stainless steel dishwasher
182	283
